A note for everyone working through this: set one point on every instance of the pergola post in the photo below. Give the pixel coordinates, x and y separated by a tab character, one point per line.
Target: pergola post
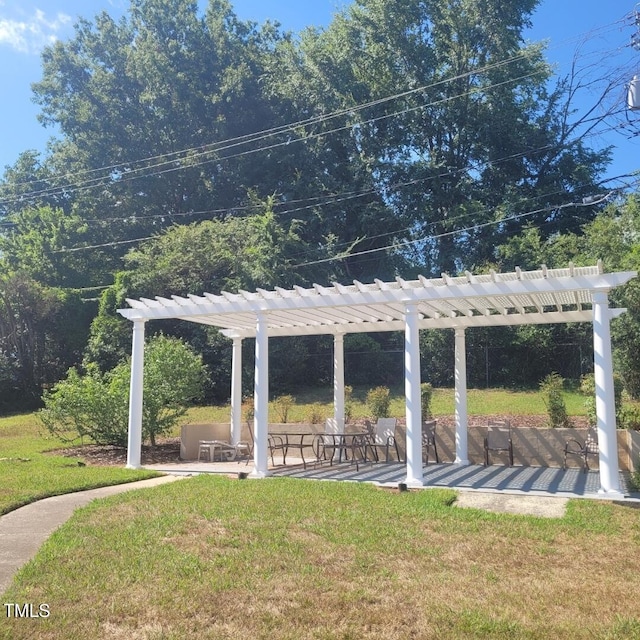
605	396
412	393
261	398
338	381
462	455
236	391
136	386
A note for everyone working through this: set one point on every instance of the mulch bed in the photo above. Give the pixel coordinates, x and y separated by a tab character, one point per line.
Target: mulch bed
168	449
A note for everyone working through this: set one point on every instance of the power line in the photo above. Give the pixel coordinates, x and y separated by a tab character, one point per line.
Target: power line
206	158
284	128
404	243
207	150
408	243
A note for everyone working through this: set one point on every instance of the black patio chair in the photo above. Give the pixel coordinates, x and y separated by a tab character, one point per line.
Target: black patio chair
582	448
275	443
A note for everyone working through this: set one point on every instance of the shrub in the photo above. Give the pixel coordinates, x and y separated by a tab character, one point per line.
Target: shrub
282	405
93	405
96	405
551	388
634	481
248	410
378	402
629	418
316	414
625	418
426	395
588	389
348	403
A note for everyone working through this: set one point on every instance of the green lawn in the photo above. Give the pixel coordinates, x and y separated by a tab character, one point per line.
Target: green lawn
28	473
218	558
480	402
225	559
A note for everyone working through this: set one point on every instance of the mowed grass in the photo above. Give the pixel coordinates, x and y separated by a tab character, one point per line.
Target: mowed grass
219	558
480	402
28	473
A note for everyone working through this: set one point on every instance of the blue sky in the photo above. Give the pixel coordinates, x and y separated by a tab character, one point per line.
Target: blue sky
593	27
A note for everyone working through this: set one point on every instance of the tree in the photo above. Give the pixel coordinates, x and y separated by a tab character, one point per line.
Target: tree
95	405
211	256
615	237
142	105
214	255
37	243
42	332
472	137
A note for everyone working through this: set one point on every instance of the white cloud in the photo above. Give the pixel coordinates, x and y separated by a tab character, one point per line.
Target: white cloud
33	33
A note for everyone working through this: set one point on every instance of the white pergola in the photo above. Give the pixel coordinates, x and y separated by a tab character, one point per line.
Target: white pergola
544	296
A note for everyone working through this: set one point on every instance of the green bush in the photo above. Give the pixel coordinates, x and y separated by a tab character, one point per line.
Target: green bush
348	403
634	481
628	417
96	405
625	417
316	413
588	389
378	402
551	388
282	406
426	395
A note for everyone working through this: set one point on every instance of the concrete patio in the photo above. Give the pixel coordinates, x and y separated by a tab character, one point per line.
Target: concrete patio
523	480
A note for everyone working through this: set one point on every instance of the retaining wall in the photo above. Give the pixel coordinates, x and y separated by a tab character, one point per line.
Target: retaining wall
532	446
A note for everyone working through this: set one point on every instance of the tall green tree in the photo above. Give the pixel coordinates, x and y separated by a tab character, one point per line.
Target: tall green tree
142	105
613	237
210	256
473	138
39	242
42	332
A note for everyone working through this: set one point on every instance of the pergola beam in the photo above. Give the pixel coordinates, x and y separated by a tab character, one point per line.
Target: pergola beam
362	295
443	322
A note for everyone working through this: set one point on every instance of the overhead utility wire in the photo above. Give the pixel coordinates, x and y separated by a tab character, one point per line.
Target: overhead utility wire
128	177
334	200
396	245
213	147
348	196
329	199
135	174
216	147
286	128
407	243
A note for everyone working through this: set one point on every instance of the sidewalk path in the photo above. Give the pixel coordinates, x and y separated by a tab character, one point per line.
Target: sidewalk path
23	531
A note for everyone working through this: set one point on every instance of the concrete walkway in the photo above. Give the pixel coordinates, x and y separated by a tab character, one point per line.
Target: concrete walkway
23	531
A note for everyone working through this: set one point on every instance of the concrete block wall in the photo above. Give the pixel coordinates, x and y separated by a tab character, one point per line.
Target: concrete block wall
532	446
191	434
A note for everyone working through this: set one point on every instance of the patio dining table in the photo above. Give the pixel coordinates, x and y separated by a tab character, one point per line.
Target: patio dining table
299	440
355	444
350	445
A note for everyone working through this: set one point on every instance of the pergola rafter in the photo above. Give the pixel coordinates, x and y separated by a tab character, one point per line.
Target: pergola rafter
544	296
